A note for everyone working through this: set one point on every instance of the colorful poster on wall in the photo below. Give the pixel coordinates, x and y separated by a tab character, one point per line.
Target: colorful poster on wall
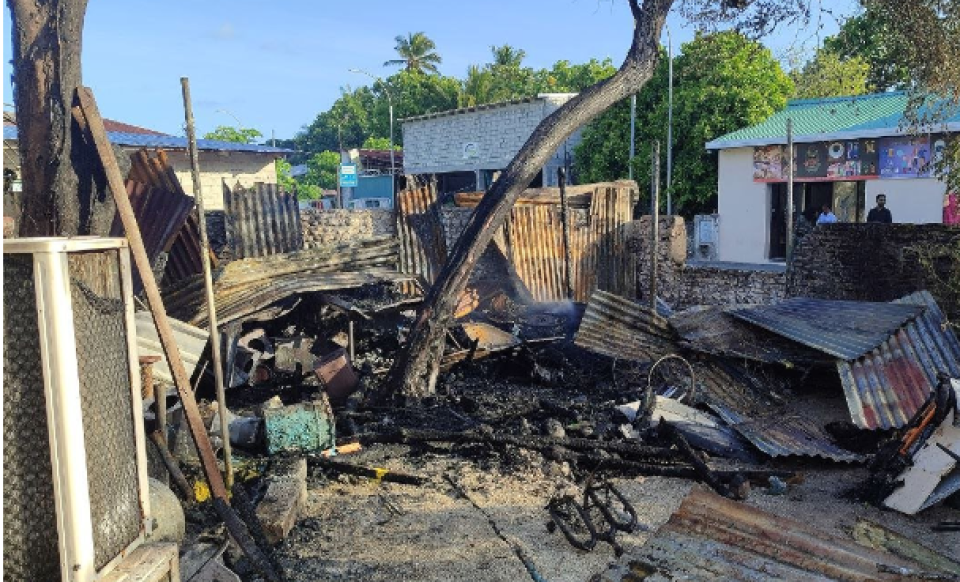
819	162
905	157
768	163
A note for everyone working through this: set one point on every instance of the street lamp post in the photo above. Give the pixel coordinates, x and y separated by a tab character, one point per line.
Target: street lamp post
393	176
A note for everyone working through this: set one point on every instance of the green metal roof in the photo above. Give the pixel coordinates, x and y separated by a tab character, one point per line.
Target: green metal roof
830	118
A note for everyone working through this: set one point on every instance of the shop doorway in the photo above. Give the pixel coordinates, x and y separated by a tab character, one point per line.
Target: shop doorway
847	199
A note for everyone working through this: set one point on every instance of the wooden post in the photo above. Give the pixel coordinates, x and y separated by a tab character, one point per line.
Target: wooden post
654	222
789	189
208	282
565	220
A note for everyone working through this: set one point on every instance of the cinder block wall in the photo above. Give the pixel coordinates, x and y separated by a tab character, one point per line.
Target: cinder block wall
869	262
322	227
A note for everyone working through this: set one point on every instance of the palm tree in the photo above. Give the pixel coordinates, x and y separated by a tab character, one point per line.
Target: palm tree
507	56
417	53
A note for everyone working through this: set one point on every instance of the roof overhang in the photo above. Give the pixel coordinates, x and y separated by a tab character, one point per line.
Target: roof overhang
949	127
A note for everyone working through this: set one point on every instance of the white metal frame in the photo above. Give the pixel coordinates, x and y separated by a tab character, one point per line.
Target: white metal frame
62	393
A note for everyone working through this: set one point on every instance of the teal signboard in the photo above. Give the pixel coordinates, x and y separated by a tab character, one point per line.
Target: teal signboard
348	175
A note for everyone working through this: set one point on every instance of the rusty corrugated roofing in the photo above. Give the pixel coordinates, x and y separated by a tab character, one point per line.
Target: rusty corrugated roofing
713	538
886	386
845	329
620	328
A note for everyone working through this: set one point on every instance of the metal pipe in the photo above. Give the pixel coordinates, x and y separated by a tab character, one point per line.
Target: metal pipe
669	122
564	220
654	221
208	282
789	189
633	133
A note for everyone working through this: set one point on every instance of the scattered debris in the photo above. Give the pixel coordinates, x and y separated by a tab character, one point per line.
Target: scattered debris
303	427
710	537
286	493
919	466
876	536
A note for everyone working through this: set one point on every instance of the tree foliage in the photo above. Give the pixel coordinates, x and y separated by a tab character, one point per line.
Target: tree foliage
866	36
234	134
417	54
722	82
830	75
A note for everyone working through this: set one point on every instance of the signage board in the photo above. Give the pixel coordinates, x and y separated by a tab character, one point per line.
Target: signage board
348	176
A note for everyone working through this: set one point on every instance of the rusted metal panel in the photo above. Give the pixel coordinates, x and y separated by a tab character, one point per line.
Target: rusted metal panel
261	221
886	386
713	538
845	329
163	211
622	329
599	257
423	249
246	286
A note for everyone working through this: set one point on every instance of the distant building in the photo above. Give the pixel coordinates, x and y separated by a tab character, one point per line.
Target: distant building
219	160
467	148
848	150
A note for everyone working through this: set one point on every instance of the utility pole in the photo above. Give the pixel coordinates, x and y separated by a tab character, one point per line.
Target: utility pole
669	122
789	157
393	169
633	133
654	221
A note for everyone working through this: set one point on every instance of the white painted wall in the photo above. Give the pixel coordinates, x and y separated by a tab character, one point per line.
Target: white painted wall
916	201
247	168
744	208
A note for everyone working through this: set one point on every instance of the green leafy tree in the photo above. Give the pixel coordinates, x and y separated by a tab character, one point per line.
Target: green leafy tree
417	54
830	75
234	134
284	179
322	170
378	143
564	77
869	37
722	82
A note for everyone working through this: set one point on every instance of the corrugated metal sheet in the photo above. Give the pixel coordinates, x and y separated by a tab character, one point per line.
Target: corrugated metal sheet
713	538
885	387
845	329
246	286
619	328
710	330
423	248
261	221
599	256
755	404
191	342
183	252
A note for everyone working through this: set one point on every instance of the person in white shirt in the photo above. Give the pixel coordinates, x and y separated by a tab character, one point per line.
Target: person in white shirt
826	216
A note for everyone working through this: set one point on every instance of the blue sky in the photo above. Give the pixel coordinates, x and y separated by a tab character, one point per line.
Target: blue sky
275	65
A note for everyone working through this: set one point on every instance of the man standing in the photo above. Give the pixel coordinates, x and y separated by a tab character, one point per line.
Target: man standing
826	216
880	213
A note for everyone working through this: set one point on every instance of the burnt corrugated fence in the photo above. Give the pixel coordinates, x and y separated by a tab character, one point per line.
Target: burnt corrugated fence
261	221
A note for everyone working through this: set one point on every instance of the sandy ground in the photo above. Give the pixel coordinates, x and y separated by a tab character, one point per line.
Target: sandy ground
355	529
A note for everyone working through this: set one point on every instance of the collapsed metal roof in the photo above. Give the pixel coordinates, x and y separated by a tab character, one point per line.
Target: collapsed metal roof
845	329
620	328
713	538
886	386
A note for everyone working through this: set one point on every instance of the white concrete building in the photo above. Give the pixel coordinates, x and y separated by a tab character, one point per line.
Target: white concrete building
847	151
466	147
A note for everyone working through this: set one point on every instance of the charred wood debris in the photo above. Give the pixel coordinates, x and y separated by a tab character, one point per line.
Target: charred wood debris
605	389
609	389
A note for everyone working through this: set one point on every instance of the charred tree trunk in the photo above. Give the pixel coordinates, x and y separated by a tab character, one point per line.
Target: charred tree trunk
64	190
415	371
